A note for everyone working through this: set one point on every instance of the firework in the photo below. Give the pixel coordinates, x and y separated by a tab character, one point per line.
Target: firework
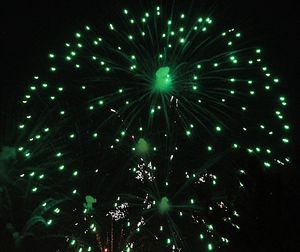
151	111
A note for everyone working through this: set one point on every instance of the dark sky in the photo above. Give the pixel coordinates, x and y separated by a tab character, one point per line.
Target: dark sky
29	31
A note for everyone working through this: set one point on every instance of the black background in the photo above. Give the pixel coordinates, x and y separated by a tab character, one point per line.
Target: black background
30	30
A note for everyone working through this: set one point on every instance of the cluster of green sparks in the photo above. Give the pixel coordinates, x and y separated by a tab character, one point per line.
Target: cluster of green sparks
154	107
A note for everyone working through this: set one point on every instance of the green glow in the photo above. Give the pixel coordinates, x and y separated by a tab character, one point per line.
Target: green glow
218	128
285	140
164	205
163	82
171	67
142	147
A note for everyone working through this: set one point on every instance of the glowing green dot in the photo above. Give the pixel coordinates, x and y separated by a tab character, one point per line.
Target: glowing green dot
111	27
218	128
235	146
56	210
285	140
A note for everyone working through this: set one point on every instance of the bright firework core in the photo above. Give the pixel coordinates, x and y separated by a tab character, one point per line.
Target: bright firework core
142	147
164	205
163	82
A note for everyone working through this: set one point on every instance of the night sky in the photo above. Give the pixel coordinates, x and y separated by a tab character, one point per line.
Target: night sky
29	31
